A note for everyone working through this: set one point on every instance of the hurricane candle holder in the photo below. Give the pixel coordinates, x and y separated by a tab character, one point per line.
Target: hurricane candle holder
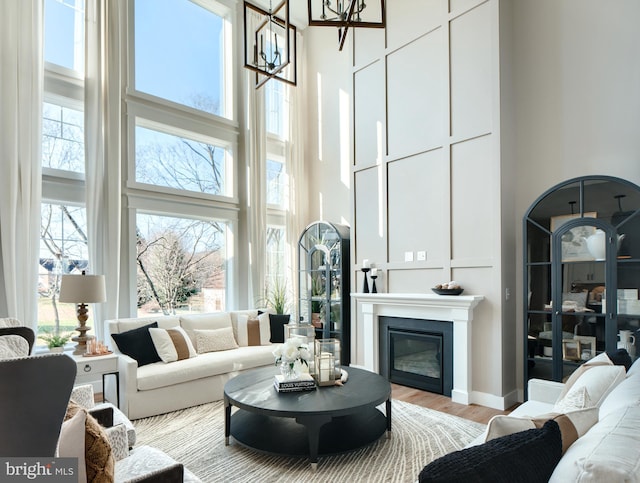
327	362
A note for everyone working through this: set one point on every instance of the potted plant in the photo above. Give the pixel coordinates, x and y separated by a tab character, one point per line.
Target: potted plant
317	290
55	342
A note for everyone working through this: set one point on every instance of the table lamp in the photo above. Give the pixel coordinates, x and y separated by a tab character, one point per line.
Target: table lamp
82	290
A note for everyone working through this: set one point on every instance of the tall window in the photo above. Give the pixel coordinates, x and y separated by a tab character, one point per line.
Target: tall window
63	250
277	124
182	149
181	265
181	163
63	223
179	53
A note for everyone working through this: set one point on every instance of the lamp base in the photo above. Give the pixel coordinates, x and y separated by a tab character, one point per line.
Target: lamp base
83	328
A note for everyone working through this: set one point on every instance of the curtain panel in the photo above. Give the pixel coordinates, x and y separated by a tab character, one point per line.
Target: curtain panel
21	87
102	113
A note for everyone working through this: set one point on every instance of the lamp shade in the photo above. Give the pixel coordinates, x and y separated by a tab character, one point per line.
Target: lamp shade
82	289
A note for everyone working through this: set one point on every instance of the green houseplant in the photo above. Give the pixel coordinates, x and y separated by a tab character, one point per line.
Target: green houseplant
55	340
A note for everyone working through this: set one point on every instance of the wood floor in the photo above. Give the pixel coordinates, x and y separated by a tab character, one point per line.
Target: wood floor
444	404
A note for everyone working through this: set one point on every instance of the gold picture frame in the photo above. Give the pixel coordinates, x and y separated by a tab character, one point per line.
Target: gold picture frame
587	343
571	349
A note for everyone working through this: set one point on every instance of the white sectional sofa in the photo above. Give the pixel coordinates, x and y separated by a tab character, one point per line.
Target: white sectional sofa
161	387
594	435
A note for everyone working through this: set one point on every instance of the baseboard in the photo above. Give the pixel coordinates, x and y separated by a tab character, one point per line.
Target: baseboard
493	401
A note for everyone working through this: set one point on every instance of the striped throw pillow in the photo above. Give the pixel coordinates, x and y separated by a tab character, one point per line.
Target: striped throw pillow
172	344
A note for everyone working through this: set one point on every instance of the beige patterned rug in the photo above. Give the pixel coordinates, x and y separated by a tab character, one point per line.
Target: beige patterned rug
195	437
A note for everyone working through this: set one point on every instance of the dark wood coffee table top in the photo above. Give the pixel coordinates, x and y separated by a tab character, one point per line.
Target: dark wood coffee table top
346	414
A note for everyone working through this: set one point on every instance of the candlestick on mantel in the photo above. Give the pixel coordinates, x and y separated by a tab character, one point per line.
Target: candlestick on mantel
366	263
365	285
374	275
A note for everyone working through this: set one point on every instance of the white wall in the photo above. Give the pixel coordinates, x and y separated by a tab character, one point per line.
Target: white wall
328	144
462	117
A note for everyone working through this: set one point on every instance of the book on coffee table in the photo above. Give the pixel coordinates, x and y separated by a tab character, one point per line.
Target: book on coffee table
304	382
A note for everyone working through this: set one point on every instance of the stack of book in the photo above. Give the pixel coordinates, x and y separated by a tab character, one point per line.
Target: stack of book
304	382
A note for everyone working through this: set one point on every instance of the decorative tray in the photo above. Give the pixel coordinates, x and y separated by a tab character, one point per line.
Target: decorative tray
97	355
448	291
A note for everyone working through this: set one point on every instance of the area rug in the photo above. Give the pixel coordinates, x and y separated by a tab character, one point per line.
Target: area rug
195	437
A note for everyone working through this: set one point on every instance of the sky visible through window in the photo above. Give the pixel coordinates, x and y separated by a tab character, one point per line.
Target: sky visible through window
178	52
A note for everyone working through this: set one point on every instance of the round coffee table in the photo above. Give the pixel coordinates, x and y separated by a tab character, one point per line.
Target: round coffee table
327	420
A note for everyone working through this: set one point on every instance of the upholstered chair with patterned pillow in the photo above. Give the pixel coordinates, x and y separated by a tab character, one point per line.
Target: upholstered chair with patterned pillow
84	396
16	341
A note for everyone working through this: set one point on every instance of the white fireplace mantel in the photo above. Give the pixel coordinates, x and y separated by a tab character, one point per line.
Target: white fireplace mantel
457	309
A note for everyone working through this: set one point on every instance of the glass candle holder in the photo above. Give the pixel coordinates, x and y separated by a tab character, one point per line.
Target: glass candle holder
327	361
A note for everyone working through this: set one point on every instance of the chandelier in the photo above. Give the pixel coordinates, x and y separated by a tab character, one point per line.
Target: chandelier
346	13
270	43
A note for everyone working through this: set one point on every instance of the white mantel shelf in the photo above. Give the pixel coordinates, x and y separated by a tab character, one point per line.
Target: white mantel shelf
454	308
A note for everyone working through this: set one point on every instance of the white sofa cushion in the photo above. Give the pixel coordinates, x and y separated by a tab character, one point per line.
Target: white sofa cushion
153	376
627	393
598	382
122	325
216	320
608	452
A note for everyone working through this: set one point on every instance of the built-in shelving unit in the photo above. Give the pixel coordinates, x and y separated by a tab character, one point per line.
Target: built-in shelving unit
581	273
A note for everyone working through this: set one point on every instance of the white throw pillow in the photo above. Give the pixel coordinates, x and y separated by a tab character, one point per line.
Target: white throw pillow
211	321
254	331
215	340
598	381
71	442
172	344
573	401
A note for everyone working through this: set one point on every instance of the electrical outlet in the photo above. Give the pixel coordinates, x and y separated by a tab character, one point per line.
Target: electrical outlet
507	294
422	256
408	256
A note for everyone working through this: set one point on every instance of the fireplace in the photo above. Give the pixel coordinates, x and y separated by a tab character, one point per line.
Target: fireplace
457	310
417	353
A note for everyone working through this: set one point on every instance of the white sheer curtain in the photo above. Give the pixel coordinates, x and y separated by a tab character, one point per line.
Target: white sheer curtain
102	149
297	211
256	152
21	84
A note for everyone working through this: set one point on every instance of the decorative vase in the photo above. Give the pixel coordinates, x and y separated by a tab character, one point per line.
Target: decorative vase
290	370
627	341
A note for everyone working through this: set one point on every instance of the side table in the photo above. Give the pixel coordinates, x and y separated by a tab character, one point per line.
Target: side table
89	368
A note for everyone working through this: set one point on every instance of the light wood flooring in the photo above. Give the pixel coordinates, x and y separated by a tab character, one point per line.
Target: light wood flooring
444	404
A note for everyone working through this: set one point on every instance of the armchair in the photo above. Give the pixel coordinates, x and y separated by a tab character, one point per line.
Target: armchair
27	426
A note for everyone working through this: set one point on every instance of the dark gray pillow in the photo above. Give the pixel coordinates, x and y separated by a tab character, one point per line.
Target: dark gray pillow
620	357
526	457
138	344
276	324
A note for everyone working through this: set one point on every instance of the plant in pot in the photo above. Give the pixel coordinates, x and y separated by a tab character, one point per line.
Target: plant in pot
55	341
317	290
277	299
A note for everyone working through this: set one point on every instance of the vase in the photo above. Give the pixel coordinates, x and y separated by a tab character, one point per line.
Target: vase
627	341
290	370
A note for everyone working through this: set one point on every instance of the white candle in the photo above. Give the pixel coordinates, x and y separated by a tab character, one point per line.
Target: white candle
365	263
327	367
374	272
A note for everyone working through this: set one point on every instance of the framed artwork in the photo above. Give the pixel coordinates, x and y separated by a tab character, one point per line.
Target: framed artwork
574	241
571	349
